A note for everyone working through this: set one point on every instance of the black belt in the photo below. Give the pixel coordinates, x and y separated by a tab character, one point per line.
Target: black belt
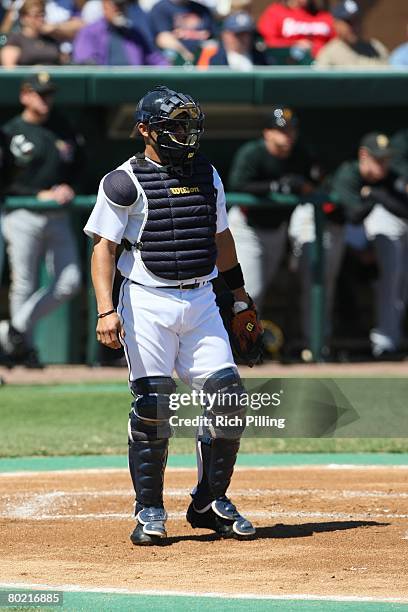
182	286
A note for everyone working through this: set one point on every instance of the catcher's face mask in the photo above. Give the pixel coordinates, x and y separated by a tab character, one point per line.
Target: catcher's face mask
175	123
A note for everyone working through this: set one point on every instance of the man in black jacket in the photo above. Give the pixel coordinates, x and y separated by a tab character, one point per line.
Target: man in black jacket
46	166
5	162
373	194
267	167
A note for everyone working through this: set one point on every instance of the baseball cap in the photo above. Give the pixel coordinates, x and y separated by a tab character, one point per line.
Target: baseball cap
377	144
346	10
281	117
39	82
239	22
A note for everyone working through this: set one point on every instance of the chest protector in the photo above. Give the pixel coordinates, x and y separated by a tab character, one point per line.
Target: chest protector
178	239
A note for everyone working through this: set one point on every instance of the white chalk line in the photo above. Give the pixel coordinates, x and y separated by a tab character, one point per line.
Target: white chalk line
35	504
261	514
221	595
333	494
44	506
238	468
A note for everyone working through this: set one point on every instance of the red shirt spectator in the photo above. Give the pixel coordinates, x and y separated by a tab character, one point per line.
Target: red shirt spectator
296	22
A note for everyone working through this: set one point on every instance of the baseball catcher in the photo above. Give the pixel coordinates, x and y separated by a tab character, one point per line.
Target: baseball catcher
167	206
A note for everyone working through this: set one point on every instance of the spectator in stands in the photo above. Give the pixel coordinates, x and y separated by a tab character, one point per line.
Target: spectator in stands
93	10
181	26
30	46
296	23
9	14
399	57
349	48
372	193
113	41
399	146
237	48
63	20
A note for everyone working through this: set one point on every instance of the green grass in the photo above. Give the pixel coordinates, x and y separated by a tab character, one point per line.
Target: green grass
92	419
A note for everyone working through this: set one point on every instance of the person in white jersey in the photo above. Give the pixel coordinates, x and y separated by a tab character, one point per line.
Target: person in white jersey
167	207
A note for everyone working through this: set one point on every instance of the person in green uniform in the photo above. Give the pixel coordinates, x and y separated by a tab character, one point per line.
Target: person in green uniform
269	166
47	158
272	166
399	145
6	162
372	193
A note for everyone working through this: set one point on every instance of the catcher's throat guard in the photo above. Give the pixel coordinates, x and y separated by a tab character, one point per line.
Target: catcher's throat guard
175	123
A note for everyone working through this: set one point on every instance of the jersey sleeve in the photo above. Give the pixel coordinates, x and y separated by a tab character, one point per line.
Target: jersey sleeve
222	219
115	201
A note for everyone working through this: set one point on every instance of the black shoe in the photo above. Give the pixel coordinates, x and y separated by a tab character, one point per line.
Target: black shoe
15	350
150	528
140	538
221	517
17	342
31	360
388	356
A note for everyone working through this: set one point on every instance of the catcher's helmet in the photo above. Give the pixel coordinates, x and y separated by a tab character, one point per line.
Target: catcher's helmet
175	123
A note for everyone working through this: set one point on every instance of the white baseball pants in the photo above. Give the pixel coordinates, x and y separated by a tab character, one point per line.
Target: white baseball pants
173	329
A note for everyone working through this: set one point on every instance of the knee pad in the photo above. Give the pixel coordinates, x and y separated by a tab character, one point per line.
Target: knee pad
150	414
224	409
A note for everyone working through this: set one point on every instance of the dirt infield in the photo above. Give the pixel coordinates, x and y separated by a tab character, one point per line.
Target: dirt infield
320	530
81	374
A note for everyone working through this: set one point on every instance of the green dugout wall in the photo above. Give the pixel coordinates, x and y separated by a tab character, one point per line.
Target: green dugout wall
335	109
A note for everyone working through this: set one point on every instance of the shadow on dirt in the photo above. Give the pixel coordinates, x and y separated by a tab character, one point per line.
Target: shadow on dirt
305	530
281	531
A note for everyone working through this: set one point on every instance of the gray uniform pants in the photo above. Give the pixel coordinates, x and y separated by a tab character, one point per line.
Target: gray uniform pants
259	252
391	291
333	248
30	237
390	236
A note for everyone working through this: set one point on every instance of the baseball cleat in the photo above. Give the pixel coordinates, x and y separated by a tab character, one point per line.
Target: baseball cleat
222	517
150	528
14	349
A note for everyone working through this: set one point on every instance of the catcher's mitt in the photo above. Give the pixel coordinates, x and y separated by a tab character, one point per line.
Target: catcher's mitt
244	329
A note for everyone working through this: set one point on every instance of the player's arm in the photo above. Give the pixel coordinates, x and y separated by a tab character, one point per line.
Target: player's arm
346	190
237	311
117	194
227	263
103	266
227	260
244	174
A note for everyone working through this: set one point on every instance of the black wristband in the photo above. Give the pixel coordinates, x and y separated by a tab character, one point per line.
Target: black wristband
233	277
105	314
